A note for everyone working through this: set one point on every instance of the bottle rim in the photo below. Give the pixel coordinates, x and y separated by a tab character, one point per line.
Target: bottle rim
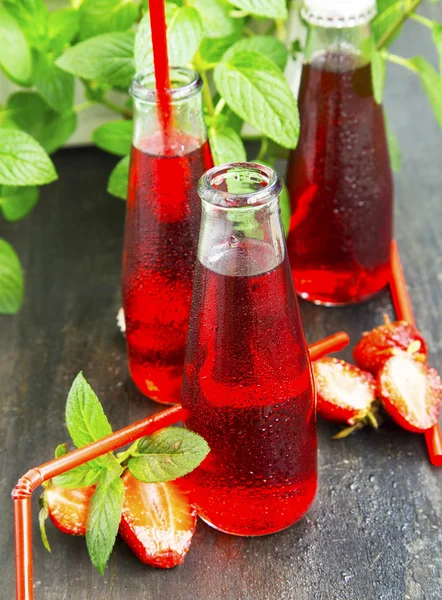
258	174
187	83
338	22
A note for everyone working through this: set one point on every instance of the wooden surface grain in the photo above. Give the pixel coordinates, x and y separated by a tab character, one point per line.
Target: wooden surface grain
374	532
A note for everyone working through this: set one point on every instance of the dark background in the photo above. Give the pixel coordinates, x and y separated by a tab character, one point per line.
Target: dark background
374	532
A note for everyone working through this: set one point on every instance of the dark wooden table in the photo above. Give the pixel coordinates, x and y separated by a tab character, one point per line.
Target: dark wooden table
374	532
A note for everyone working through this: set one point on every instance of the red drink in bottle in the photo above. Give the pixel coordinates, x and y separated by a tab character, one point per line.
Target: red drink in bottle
248	382
339	176
161	234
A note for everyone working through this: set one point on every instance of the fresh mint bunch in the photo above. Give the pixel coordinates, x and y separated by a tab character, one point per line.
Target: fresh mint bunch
163	456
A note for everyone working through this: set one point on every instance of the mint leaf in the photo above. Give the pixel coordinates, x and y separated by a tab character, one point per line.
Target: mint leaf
82	476
168	454
61	450
184	33
107	58
103	522
286	211
432	84
55	85
15	56
29	112
105	16
64	25
114	137
11	280
119	179
274	9
33	17
23	161
226	145
437	39
264	44
393	148
389	13
17	202
85	418
213	49
378	75
254	88
216	18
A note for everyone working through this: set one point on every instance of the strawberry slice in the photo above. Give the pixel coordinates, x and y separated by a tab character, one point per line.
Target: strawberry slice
158	521
410	391
66	508
344	392
376	347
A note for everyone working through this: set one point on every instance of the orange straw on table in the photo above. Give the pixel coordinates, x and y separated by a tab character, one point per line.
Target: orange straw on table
26	485
404	312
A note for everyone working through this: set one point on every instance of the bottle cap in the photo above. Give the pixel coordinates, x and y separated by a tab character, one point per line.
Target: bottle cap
338	13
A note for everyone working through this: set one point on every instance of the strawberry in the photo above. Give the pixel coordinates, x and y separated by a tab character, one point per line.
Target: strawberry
67	509
344	393
378	345
157	522
410	391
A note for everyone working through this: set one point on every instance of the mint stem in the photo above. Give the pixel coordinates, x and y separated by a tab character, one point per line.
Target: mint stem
383	41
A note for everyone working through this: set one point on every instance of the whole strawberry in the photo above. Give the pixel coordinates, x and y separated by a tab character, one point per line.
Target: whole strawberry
345	393
410	391
376	347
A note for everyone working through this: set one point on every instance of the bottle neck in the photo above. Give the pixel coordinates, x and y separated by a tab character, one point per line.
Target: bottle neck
338	49
188	128
241	233
241	242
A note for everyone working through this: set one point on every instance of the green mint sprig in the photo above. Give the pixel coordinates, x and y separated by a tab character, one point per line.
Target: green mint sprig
163	456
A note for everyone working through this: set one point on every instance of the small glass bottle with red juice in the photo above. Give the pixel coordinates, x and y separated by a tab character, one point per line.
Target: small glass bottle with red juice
161	234
339	176
248	382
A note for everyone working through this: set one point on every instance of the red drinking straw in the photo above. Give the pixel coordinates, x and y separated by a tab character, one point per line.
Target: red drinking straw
158	27
22	492
404	312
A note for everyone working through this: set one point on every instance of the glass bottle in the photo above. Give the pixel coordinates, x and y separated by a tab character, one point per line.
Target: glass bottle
339	176
247	381
161	233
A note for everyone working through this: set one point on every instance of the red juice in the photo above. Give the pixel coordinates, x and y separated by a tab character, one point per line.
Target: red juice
161	237
340	186
249	389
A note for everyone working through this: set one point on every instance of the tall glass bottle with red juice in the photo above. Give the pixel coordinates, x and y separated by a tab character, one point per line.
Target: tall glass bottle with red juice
248	382
162	223
339	176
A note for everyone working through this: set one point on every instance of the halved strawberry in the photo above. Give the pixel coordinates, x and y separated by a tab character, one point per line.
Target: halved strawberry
410	391
66	508
378	345
157	522
344	392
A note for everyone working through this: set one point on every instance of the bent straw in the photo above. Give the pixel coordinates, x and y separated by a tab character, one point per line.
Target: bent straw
26	485
404	312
